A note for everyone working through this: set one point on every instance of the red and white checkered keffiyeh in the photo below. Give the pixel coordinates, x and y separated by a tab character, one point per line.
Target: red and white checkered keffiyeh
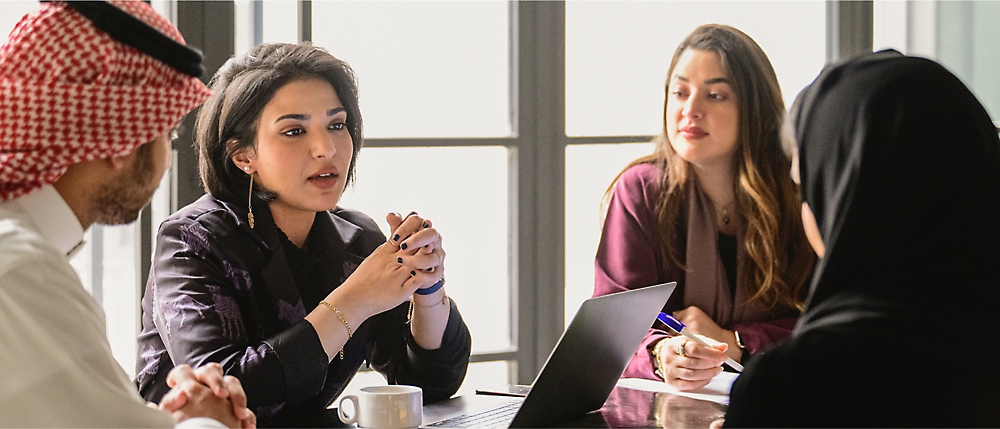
71	93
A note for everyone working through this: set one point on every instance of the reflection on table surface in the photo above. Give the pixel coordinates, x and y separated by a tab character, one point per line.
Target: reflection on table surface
625	408
629	408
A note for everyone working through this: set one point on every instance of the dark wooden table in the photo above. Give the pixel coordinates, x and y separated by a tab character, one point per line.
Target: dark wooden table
625	408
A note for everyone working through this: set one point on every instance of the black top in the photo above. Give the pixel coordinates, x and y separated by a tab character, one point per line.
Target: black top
727	253
305	267
219	291
900	165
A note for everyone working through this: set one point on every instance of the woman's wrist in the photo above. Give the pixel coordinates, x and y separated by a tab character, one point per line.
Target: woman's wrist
428	316
657	362
354	309
430	289
430	300
735	349
334	321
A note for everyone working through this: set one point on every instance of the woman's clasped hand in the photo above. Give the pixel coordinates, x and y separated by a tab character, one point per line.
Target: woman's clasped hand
411	259
419	248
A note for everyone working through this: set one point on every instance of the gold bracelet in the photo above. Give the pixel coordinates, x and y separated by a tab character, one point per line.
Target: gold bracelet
739	341
409	314
444	298
657	349
350	333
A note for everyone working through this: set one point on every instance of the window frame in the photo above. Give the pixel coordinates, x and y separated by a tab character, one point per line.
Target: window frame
536	150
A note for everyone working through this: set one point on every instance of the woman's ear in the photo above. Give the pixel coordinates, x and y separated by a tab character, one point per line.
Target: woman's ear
242	159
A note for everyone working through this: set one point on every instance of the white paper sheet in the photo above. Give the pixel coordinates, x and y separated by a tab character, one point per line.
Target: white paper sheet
716	391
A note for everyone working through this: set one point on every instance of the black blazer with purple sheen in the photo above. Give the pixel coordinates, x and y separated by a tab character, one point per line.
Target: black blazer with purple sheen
220	291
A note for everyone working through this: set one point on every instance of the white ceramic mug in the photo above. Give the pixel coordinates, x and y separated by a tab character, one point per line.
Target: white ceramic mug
385	407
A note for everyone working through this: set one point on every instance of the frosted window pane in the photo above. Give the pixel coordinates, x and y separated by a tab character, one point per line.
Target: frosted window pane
243	31
425	69
889	25
617	54
281	21
481	374
11	12
120	293
589	171
485	374
967	45
463	191
960	35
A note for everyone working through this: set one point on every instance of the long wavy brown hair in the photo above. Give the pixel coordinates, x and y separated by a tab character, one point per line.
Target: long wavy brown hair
766	197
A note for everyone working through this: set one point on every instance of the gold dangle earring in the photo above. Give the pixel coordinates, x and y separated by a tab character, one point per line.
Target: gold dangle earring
249	197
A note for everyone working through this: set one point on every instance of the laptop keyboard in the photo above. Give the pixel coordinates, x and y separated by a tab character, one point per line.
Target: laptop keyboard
499	417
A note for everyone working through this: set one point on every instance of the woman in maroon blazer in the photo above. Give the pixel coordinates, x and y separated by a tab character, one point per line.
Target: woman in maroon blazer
713	208
268	277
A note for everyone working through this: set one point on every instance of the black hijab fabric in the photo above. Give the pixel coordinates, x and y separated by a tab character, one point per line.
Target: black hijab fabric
900	165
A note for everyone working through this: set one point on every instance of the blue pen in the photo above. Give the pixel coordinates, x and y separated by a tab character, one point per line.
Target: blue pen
678	327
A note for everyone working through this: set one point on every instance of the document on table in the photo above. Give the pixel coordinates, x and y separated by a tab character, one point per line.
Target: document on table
716	391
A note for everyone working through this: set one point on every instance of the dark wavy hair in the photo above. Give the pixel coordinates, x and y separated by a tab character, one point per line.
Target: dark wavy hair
781	260
227	122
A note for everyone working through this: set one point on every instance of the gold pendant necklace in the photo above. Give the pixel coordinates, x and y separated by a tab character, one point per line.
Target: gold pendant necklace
725	213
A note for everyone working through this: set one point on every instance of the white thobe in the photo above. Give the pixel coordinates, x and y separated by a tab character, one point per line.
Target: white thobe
56	366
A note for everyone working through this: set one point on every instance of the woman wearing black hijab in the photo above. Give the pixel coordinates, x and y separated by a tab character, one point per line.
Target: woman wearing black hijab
900	164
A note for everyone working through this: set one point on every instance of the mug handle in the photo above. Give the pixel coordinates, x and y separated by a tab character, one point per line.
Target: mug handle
340	409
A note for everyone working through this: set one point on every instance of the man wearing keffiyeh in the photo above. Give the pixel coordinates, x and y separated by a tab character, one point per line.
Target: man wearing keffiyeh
90	95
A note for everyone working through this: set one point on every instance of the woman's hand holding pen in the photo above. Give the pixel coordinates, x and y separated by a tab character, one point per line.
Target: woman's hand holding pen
699	322
687	365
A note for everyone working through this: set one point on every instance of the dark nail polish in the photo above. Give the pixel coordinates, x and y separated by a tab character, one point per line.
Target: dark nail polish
427	225
402	246
400	260
413	273
430	270
395	237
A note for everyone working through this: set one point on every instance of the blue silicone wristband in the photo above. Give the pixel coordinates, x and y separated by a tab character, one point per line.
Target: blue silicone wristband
432	289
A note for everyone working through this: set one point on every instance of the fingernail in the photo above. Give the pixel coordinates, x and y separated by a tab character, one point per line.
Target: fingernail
430	270
395	237
427	225
413	273
400	260
402	246
412	213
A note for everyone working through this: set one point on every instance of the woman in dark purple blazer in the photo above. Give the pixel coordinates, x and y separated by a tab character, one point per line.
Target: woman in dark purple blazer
268	277
714	209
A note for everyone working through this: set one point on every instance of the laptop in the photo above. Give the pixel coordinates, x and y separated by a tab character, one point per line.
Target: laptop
585	364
